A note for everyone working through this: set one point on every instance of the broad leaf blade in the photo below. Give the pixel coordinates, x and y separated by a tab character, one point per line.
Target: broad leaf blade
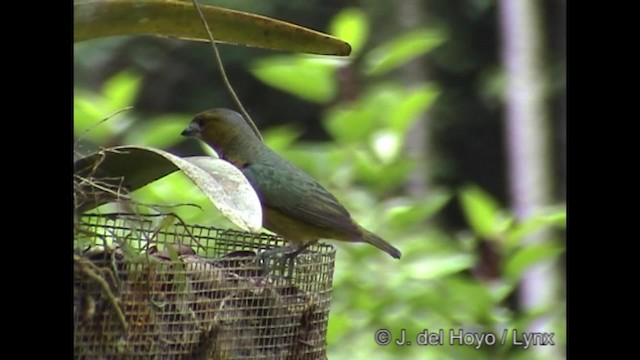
401	50
176	19
229	191
437	266
123	167
132	167
482	212
526	257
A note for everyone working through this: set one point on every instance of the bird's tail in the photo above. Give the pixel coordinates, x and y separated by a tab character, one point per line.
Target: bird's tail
375	240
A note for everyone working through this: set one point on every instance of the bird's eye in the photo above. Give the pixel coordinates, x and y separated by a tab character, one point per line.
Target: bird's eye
199	122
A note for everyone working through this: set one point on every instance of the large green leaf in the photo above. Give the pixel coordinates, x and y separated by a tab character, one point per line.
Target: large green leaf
483	212
413	102
435	266
555	216
179	19
526	257
159	133
311	79
118	92
132	167
411	212
351	24
402	49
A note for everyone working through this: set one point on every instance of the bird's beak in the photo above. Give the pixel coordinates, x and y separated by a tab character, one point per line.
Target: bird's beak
192	130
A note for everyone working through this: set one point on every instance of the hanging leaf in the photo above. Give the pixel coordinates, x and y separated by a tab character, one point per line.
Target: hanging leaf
180	19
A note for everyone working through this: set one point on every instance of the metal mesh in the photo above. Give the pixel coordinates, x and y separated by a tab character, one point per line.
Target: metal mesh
190	292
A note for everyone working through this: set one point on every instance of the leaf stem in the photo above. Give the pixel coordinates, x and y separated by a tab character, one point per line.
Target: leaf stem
224	74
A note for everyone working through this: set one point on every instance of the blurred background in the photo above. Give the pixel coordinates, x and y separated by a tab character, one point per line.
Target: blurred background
443	132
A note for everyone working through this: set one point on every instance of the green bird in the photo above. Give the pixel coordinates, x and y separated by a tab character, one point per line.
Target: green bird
294	204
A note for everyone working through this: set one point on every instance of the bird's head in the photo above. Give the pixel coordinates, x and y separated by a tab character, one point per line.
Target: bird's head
225	131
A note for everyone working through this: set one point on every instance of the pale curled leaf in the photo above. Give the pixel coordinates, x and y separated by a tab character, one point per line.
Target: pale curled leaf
178	19
229	191
133	167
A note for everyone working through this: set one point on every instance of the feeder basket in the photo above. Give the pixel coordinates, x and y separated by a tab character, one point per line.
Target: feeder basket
144	290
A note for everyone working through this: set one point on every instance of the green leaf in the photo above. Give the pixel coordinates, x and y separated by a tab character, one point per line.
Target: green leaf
179	19
500	290
281	137
354	123
352	26
316	159
434	266
401	50
350	124
554	216
176	193
160	132
175	189
551	217
481	211
87	112
308	78
416	211
412	104
173	255
382	101
519	262
120	90
382	177
467	301
90	109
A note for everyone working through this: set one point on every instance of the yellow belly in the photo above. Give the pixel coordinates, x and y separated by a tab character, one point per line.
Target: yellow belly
296	232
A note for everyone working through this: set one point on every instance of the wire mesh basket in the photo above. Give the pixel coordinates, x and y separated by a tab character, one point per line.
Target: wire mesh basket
144	290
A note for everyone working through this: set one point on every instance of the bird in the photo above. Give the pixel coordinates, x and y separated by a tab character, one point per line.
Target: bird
294	205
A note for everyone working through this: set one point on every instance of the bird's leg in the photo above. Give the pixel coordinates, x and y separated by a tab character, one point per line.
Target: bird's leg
291	256
288	252
266	255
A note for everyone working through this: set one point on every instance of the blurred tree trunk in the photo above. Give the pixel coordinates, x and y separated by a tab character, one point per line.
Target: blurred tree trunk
410	16
528	146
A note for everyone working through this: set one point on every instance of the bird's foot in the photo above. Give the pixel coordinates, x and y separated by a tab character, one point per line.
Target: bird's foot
287	253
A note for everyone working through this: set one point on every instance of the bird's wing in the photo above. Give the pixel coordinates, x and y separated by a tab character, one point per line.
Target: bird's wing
299	196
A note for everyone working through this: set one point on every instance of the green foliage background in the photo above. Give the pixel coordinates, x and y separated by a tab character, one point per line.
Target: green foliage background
439	283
